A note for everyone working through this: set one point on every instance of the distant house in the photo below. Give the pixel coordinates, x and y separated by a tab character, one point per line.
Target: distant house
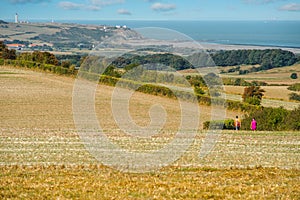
15	46
40	45
35	45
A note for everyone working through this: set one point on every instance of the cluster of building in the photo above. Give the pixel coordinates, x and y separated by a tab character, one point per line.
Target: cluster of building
18	21
17	46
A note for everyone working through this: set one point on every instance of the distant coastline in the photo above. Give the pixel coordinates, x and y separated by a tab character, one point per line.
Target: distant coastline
219	35
207	46
279	34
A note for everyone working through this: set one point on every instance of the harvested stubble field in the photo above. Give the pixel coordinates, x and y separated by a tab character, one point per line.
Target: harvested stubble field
42	156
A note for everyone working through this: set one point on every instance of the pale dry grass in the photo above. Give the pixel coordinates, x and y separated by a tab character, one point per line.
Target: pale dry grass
35	100
274	76
20	31
272	92
98	182
277	92
275	96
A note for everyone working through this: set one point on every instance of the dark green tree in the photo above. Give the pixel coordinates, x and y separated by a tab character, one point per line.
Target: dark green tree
293	120
253	95
294	75
66	64
9	54
2	47
294	96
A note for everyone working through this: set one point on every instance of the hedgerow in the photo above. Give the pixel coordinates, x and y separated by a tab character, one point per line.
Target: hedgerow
227	124
274	119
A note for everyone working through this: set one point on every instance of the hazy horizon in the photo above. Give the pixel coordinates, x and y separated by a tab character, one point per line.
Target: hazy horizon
263	10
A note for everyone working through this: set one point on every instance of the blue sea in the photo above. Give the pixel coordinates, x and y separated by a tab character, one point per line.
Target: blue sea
260	33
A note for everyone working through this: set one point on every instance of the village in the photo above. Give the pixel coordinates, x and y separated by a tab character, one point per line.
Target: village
23	35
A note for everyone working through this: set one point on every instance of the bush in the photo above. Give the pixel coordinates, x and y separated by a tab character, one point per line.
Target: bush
253	95
294	87
294	76
198	90
294	96
268	119
253	100
293	120
227	124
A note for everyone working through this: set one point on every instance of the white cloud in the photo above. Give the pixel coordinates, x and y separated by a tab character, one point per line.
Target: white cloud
291	7
160	7
261	1
26	1
93	5
67	5
123	12
105	2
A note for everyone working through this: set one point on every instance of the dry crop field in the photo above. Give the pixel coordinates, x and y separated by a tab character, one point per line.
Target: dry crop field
275	96
42	156
276	75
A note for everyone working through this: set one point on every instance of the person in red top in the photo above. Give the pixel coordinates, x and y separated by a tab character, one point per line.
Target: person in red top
237	123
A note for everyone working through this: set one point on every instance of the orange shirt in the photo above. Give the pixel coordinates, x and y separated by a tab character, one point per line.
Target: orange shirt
237	122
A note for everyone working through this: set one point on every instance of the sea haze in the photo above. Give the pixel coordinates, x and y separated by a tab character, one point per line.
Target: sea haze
260	33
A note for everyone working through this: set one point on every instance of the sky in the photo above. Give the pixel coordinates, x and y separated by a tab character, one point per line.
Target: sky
150	9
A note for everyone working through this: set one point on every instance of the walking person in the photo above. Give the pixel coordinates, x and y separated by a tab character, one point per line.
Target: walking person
237	123
253	124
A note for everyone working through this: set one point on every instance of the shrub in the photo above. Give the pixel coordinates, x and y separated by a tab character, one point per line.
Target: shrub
294	87
253	95
198	90
294	76
268	119
253	100
227	124
293	120
294	96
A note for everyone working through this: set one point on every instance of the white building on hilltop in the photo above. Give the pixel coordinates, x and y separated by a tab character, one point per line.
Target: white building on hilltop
16	18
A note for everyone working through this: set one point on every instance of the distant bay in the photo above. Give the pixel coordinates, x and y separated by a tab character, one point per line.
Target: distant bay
257	33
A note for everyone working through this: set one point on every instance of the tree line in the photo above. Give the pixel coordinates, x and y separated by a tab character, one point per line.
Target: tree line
164	59
267	59
35	60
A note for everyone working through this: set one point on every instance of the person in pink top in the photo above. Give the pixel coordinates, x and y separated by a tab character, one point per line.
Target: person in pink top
253	124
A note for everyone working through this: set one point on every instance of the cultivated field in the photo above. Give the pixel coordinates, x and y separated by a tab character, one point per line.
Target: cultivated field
276	76
275	96
43	157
